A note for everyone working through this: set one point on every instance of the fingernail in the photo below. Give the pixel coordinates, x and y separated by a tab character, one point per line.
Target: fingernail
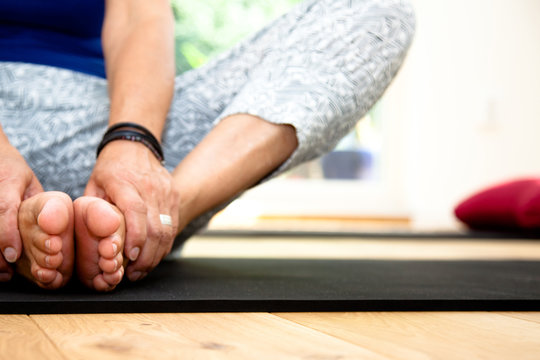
40	275
134	276
134	254
48	244
115	247
10	254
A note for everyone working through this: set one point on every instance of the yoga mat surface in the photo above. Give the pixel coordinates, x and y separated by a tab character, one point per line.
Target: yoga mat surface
215	285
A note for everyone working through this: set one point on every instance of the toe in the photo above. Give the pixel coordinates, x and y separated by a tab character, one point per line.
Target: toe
114	279
109	247
101	219
43	275
109	265
100	284
54	216
47	244
55	283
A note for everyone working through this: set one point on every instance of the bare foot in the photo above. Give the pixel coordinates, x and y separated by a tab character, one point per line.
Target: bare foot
99	235
46	228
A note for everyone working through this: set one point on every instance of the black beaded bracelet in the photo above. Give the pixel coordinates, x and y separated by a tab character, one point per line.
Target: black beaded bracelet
124	131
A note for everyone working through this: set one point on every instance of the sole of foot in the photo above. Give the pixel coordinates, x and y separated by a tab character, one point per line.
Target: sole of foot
46	223
99	238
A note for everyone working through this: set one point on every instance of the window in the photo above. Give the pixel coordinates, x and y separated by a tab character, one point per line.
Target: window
360	178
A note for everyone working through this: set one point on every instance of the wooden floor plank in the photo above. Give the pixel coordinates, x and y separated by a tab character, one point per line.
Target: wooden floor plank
192	336
451	335
525	315
21	338
335	248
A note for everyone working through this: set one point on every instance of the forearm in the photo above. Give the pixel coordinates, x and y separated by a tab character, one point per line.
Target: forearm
235	155
138	44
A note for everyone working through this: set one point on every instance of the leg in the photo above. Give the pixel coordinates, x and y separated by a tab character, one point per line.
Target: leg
46	227
319	68
208	180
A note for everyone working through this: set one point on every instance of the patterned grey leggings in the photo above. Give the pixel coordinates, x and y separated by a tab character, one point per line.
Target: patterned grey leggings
320	68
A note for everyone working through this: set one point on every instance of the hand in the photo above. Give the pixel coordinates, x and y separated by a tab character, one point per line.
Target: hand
129	176
17	183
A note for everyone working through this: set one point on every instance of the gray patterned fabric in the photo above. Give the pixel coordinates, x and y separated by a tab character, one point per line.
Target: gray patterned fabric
319	68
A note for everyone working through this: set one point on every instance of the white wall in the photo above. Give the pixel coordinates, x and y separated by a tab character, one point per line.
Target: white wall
468	101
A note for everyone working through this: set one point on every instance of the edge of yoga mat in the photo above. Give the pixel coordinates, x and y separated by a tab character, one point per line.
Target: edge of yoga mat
229	306
385	234
271	285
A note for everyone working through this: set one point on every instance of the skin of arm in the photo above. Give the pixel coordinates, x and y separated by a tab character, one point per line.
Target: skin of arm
236	154
138	45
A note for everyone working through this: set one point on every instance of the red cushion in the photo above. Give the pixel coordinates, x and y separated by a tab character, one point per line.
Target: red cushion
511	205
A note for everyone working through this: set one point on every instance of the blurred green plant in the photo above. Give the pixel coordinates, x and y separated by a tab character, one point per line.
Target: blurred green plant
205	28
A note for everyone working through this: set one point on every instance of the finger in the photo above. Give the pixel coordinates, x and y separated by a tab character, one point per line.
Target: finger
10	200
33	188
93	190
165	232
10	239
128	200
159	232
6	272
147	259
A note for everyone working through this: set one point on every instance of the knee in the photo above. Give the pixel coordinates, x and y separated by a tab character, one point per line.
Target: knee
392	19
398	17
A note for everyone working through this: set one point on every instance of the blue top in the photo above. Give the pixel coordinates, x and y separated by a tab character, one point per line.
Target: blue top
62	33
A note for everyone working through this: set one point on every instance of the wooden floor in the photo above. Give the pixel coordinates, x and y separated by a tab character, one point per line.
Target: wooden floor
393	335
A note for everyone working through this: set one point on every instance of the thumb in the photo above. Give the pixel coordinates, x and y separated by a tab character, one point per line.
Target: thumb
92	189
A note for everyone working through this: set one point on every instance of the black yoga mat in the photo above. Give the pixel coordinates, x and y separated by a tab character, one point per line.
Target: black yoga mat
216	285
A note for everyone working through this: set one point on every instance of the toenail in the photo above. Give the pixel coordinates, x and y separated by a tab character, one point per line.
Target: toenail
134	276
134	254
10	254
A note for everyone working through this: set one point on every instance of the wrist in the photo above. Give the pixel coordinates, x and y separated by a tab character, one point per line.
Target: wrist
135	133
126	149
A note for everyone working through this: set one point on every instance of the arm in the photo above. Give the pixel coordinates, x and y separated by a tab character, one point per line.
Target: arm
138	44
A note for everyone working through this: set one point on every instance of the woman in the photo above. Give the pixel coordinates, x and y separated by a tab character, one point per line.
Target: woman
282	97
